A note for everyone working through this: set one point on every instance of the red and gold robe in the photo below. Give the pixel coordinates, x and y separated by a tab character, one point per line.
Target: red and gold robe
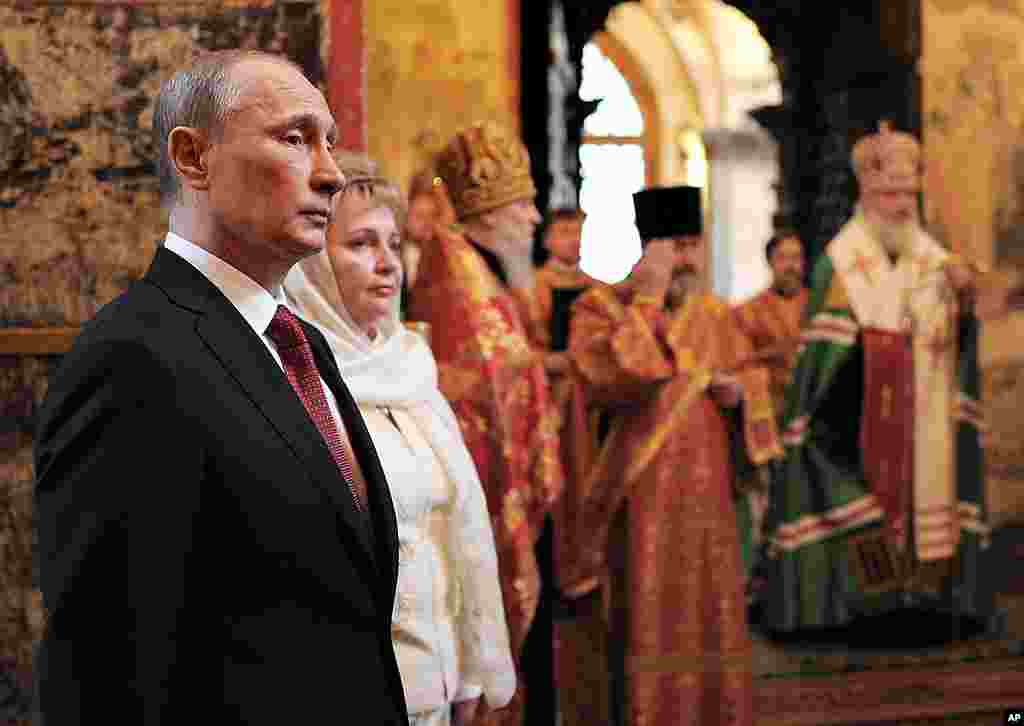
659	519
772	322
498	389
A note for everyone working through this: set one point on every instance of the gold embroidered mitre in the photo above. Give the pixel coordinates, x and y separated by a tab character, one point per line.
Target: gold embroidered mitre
889	161
485	167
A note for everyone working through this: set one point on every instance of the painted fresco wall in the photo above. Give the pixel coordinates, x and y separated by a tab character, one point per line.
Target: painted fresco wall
973	73
435	66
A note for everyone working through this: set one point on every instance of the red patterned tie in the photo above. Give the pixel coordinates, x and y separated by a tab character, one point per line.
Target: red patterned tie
299	366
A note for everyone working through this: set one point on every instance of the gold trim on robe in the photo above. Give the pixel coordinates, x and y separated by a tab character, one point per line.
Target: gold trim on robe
772	323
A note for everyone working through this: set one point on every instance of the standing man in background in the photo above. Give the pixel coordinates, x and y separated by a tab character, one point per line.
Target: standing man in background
429	207
560	279
771	320
672	366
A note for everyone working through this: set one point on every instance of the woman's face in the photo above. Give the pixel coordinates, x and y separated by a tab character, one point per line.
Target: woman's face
363	246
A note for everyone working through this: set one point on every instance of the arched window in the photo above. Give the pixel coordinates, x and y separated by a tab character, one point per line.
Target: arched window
612	166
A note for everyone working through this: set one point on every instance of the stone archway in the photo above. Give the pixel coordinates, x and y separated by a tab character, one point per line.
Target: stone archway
708	67
860	65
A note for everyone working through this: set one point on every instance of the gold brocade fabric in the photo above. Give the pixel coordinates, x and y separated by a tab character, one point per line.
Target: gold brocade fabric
498	389
772	323
676	573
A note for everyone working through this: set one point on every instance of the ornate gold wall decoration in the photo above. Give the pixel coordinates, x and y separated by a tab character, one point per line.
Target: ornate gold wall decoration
1004	453
436	66
972	73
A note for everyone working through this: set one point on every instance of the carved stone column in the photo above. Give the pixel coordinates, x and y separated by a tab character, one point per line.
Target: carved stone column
563	87
742	169
582	18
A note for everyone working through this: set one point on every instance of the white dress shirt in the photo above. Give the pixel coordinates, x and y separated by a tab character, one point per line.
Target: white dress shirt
253	302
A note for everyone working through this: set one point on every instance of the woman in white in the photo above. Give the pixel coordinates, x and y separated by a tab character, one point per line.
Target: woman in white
449	627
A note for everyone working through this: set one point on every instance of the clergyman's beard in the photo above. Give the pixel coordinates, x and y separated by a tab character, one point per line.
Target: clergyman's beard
683	283
895	238
788	284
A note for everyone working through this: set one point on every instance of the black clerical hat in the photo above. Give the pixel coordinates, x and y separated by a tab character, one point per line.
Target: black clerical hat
668	212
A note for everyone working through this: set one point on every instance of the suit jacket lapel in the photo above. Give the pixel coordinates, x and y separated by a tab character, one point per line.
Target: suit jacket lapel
382	511
222	328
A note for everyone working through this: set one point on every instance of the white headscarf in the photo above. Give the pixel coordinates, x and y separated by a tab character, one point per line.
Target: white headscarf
398	370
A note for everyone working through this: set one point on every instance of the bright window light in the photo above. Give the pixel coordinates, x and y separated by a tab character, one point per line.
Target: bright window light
612	167
618	113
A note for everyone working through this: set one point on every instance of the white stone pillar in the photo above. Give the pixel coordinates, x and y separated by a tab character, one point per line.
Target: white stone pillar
743	167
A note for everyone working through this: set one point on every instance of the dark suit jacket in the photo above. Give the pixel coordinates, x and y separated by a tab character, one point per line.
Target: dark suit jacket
201	559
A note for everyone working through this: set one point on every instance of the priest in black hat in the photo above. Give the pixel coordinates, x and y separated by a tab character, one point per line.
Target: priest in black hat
659	524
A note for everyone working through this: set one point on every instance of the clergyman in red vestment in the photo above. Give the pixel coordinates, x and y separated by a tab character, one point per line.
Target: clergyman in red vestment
772	320
660	522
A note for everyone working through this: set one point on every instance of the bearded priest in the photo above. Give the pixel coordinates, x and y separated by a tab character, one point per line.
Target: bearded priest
879	505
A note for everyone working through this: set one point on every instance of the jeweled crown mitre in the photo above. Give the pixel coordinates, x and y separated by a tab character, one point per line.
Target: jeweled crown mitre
485	167
889	161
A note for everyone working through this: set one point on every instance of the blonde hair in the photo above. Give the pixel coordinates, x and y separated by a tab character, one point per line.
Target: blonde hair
361	178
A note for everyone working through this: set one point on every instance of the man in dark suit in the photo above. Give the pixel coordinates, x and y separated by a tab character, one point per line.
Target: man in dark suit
216	539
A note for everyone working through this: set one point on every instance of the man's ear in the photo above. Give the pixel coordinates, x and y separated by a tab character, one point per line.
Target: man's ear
187	150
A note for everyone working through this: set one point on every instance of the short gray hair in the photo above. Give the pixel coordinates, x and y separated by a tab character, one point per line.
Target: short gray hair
200	96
